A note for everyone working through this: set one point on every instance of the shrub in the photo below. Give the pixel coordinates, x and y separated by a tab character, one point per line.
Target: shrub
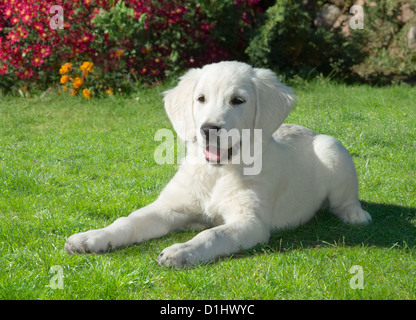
158	38
385	42
289	41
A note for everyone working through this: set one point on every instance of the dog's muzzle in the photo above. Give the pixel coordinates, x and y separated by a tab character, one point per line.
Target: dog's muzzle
213	151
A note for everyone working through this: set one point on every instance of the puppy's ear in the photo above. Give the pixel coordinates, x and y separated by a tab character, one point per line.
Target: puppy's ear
178	105
274	102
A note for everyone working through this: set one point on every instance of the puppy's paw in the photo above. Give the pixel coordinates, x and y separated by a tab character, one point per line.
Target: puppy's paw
356	216
93	241
179	255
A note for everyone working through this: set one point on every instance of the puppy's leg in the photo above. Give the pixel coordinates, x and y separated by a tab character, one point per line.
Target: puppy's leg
212	243
343	193
352	213
344	203
152	221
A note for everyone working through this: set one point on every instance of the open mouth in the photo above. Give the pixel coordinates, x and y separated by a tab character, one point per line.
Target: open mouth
216	155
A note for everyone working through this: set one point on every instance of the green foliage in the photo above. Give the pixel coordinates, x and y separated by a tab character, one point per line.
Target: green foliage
388	57
118	23
114	26
289	41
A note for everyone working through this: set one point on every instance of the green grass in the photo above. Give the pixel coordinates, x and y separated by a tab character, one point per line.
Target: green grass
69	165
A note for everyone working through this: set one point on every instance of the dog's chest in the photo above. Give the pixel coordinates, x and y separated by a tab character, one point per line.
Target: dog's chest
222	199
208	188
212	205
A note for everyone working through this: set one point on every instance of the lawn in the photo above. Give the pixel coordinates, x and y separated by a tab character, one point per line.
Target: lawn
68	164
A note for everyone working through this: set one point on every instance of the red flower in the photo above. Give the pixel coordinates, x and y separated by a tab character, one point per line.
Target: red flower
26	18
205	26
14	20
170	20
112	55
3	68
37	61
180	10
45	50
12	37
43	35
7	12
157	60
88	37
4	51
132	61
38	26
25	74
22	32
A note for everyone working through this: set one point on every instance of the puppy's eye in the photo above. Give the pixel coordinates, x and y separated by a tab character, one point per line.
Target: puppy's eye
237	101
201	99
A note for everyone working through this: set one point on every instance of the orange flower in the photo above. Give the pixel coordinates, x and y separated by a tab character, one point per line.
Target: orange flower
77	82
109	91
65	68
87	66
87	93
65	78
73	92
119	53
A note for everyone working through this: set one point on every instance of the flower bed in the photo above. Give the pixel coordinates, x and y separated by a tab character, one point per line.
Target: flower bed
126	41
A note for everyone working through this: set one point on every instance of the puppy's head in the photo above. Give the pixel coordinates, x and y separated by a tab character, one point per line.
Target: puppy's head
214	104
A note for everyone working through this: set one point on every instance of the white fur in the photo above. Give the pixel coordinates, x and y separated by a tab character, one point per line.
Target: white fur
300	170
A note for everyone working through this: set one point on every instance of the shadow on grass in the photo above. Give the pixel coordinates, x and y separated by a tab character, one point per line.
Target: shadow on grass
393	226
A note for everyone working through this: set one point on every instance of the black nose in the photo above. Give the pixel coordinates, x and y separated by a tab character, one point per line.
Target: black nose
207	129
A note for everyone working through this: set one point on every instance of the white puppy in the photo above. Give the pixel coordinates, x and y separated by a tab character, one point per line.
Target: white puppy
294	170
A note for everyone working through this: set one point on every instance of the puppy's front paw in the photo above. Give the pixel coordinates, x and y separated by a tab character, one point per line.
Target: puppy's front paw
356	216
93	241
179	255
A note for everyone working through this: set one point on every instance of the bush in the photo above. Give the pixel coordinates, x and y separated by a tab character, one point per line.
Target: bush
290	42
385	42
163	37
143	40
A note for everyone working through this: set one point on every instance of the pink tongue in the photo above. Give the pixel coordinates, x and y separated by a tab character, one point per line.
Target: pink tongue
214	154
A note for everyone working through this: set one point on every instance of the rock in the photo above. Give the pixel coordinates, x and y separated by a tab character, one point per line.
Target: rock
327	16
407	13
343	23
411	38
